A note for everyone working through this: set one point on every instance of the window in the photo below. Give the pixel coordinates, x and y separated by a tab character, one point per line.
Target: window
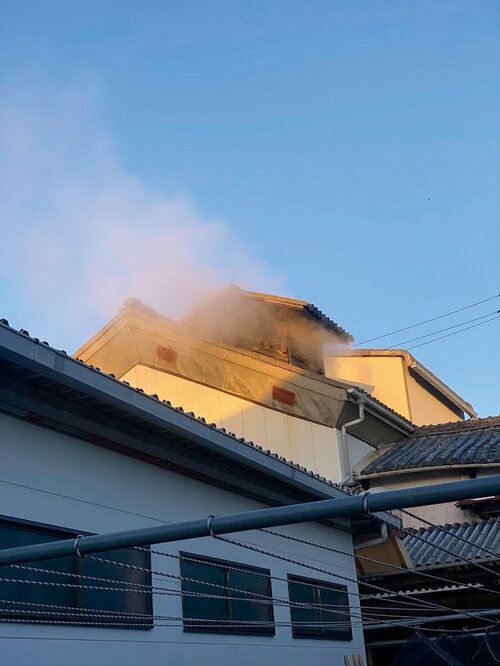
328	616
239	596
74	602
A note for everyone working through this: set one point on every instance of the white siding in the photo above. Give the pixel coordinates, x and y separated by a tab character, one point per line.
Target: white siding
52	478
312	445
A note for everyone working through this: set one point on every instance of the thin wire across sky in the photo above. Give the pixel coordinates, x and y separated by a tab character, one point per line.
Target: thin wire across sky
431	319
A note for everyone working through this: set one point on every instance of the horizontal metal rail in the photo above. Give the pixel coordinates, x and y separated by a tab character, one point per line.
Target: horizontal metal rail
251	520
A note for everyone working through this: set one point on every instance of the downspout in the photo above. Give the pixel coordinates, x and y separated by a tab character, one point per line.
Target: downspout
376	541
344	450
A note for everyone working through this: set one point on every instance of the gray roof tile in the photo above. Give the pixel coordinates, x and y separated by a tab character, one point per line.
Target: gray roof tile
424	545
469	443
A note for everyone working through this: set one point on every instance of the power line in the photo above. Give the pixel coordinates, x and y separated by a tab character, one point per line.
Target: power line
441	337
374	560
427	321
440	330
368	617
313	568
148	589
81	614
263	574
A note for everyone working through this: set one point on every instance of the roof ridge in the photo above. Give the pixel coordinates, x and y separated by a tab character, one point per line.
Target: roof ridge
308	307
453	426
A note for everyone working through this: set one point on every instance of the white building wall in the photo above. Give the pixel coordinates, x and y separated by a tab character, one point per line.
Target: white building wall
357	449
312	445
56	479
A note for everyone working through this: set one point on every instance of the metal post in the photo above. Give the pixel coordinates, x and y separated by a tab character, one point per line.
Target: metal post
251	520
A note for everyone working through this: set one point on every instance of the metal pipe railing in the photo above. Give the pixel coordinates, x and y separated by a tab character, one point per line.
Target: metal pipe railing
251	520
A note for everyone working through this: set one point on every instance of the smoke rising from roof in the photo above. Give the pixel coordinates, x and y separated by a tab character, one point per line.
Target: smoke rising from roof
282	328
80	233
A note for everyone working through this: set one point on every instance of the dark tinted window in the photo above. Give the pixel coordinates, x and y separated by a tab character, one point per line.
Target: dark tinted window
240	600
68	597
327	614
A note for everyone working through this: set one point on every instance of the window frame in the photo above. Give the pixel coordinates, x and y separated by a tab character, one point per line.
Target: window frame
260	630
78	599
343	634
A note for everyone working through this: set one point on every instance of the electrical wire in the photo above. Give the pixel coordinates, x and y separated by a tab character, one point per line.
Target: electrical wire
441	330
374	616
169	591
448	335
368	619
81	612
232	568
427	321
420	603
111	616
313	568
148	589
374	560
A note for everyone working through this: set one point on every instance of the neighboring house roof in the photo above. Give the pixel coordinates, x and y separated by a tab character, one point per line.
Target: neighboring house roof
49	387
473	443
424	545
419	372
297	304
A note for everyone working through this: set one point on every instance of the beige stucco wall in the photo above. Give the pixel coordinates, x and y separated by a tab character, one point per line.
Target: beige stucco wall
392	384
438	514
425	409
385	373
306	443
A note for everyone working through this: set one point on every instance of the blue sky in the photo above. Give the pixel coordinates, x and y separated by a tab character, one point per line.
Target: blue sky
342	152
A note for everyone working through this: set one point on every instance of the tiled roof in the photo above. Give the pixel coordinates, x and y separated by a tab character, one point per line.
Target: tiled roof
309	308
422	544
469	443
316	313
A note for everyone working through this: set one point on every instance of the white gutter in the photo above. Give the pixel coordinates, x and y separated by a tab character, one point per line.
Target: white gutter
380	409
345	462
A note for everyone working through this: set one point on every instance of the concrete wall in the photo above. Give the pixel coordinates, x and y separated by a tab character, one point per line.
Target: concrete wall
52	478
306	443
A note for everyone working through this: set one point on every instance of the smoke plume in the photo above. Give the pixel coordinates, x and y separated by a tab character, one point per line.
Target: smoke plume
80	233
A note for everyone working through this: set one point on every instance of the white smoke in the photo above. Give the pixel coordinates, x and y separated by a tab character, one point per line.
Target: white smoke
80	234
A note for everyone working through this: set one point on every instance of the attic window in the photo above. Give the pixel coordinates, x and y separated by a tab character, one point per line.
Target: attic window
284	396
166	354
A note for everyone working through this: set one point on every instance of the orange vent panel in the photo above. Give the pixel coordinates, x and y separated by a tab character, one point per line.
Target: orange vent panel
166	354
284	396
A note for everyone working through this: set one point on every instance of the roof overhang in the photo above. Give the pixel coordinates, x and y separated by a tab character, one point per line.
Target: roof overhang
381	424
